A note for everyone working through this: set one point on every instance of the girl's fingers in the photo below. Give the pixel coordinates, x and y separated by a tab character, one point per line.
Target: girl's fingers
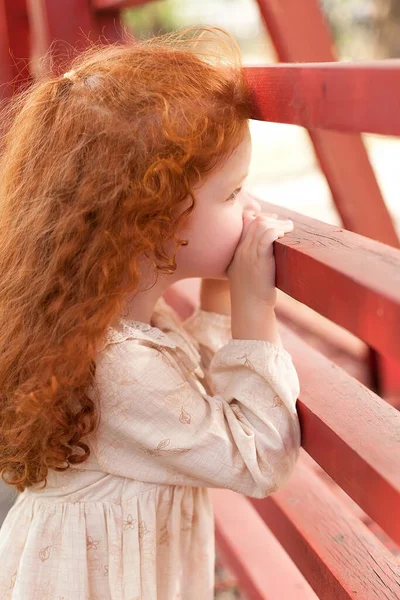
247	235
265	242
255	227
269	223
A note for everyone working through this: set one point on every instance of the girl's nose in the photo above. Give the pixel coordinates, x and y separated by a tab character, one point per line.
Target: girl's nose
251	204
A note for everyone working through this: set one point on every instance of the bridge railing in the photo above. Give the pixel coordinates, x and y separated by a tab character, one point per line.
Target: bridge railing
304	541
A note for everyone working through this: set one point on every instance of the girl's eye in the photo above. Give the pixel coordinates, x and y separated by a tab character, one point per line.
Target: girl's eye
234	194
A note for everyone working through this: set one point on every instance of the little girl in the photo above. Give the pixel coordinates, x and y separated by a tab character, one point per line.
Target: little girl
116	416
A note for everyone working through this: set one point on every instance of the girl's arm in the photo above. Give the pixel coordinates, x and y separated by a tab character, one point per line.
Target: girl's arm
159	426
215	297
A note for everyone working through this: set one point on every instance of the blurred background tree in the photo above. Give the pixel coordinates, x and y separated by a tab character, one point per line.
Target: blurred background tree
240	17
363	29
388	27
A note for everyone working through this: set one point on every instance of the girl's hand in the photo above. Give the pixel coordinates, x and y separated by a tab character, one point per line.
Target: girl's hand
251	272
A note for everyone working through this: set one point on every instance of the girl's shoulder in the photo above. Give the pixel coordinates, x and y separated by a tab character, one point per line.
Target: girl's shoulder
128	329
166	329
166	333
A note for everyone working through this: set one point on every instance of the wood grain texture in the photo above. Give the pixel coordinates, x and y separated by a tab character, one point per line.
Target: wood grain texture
350	279
337	554
262	567
350	432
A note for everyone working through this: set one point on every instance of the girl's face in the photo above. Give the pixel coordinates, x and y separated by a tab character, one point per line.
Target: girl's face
215	226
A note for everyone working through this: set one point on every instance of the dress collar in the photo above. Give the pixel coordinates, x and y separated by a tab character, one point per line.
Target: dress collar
166	331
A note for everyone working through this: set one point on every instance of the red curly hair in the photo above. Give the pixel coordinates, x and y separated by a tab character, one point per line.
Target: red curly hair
93	171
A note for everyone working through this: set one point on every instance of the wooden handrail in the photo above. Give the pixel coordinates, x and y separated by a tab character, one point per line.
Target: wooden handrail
350	279
350	97
351	432
324	539
261	565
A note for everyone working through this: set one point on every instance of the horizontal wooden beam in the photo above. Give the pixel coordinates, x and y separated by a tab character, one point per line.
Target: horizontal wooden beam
262	567
350	432
337	554
349	97
350	279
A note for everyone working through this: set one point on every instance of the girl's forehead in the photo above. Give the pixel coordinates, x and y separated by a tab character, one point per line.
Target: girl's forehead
232	167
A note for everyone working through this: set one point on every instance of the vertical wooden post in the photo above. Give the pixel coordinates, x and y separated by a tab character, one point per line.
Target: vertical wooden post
67	27
14	46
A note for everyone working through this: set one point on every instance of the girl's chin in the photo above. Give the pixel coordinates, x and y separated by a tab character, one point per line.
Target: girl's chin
215	277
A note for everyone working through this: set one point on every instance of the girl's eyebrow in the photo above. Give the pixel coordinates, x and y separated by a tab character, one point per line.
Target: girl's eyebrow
237	180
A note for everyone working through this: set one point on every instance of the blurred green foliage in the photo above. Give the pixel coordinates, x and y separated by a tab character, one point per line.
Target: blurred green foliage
153	18
362	29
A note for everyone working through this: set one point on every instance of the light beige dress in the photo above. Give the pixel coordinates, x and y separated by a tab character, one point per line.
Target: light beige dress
184	407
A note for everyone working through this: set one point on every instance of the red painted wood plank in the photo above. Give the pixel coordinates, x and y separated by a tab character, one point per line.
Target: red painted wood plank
346	277
109	25
337	554
68	27
350	432
263	569
6	70
342	156
298	29
350	97
14	47
390	379
117	4
344	160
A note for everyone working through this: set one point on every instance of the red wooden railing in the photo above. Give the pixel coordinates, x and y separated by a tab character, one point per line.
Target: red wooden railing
300	34
309	539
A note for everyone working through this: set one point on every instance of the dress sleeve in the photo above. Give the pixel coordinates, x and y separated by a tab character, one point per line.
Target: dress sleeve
210	331
159	426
